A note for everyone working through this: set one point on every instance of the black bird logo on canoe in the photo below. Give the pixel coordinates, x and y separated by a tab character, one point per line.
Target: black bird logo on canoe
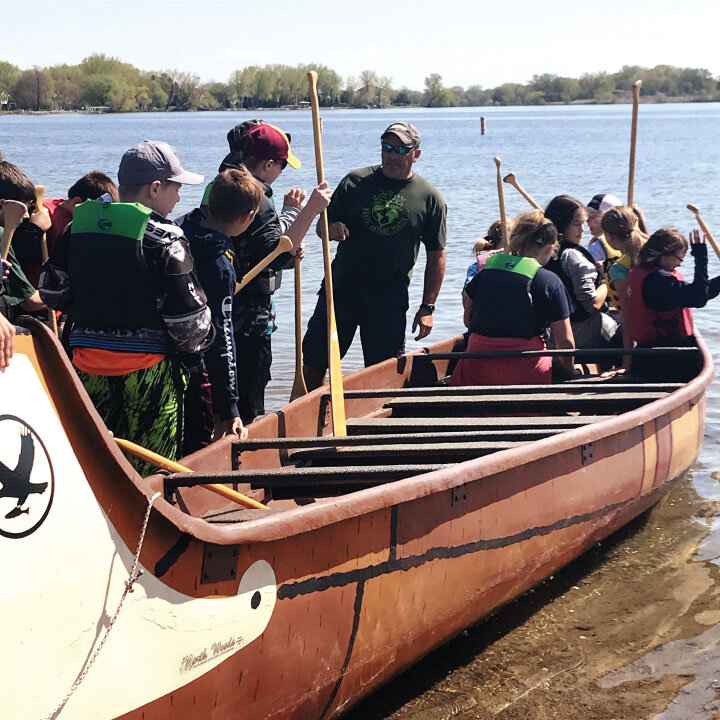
16	483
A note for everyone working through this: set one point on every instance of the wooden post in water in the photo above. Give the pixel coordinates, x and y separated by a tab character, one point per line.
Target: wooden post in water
482	125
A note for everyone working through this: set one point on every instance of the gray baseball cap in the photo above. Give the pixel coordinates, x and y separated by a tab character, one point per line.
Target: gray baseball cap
153	160
407	133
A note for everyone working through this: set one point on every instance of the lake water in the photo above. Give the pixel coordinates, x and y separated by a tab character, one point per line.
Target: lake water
579	150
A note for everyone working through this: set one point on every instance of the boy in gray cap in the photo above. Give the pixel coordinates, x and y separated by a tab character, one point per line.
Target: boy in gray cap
126	277
379	215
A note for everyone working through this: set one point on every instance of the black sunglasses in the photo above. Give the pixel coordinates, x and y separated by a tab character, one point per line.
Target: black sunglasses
399	149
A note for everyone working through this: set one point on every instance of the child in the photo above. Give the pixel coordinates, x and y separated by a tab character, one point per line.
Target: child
658	300
234	200
135	300
485	247
54	216
620	229
19	293
265	152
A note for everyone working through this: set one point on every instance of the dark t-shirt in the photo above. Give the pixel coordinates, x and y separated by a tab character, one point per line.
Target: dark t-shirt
387	220
502	309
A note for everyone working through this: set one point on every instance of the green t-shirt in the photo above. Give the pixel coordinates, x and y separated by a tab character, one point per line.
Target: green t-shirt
387	220
18	286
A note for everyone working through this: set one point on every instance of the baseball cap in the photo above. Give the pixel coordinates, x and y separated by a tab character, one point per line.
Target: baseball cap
407	133
268	142
153	160
602	202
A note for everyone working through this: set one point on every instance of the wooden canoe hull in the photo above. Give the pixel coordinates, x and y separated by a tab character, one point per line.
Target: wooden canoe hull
352	590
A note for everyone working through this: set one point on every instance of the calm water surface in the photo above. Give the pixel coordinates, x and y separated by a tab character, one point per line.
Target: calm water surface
580	150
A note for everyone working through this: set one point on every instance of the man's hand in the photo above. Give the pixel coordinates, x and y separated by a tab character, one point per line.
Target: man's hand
233	426
300	252
295	197
338	231
4	269
320	198
13	212
7	341
423	322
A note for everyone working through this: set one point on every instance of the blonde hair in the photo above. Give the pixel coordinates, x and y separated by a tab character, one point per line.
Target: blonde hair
531	230
621	224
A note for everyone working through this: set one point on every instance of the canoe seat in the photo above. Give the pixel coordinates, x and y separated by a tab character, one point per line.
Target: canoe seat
491	425
439	451
292	482
548	402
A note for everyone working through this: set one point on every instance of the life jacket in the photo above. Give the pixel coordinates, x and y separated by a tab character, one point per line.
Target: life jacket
114	304
505	276
578	311
612	297
611	254
648	326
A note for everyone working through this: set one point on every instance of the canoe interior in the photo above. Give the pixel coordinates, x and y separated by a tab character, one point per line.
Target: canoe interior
396	433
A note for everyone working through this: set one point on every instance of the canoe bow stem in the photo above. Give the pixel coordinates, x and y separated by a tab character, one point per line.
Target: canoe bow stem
132	579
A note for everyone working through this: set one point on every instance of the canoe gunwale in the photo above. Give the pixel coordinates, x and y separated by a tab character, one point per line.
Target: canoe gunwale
328	511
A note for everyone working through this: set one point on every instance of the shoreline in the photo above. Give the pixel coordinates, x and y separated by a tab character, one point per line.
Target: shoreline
619	101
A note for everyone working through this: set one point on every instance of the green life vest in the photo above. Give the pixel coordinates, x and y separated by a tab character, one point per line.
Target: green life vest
513	263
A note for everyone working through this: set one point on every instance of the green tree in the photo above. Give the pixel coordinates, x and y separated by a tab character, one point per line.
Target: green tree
436	95
9	75
33	90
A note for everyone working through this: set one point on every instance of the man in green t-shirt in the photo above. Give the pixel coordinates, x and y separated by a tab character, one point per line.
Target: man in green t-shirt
379	215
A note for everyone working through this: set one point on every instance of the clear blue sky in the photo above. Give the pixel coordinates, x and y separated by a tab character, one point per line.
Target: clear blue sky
466	41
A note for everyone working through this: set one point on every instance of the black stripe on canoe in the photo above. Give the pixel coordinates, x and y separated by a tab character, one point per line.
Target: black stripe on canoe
419	437
600	387
502	403
451	424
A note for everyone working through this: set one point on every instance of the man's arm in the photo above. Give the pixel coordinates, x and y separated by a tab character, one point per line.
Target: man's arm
434	274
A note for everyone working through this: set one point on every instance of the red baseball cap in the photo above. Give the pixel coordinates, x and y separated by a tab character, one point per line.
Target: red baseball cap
268	142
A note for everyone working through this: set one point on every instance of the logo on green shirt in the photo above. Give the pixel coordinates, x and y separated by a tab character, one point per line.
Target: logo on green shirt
386	214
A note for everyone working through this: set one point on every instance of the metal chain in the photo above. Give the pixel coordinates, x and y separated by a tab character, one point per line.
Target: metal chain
132	578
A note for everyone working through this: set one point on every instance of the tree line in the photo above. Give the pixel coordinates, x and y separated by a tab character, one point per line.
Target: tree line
107	82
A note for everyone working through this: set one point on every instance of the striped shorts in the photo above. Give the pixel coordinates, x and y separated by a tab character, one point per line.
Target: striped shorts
145	407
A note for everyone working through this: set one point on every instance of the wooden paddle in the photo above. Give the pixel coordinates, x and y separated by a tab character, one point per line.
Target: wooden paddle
512	180
13	213
284	245
40	195
696	211
633	140
299	387
163	462
501	200
336	381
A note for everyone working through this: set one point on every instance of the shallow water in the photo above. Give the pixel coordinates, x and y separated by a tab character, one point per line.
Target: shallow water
631	629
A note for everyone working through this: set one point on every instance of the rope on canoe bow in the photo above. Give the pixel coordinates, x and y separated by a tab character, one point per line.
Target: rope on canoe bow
132	579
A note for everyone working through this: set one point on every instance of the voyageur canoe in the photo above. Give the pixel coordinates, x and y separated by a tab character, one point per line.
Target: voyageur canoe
441	505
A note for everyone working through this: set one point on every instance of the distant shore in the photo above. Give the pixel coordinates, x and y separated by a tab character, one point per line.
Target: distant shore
649	100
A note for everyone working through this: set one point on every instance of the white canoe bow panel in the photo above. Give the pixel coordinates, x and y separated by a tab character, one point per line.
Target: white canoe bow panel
64	567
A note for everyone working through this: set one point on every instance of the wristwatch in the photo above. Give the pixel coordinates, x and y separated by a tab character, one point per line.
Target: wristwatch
430	308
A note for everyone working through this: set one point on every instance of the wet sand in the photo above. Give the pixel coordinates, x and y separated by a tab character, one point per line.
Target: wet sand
628	631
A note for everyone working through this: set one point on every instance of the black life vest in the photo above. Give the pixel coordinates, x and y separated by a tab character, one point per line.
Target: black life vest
114	304
578	311
505	282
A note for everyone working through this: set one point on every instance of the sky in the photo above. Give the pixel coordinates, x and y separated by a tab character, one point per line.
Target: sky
468	42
